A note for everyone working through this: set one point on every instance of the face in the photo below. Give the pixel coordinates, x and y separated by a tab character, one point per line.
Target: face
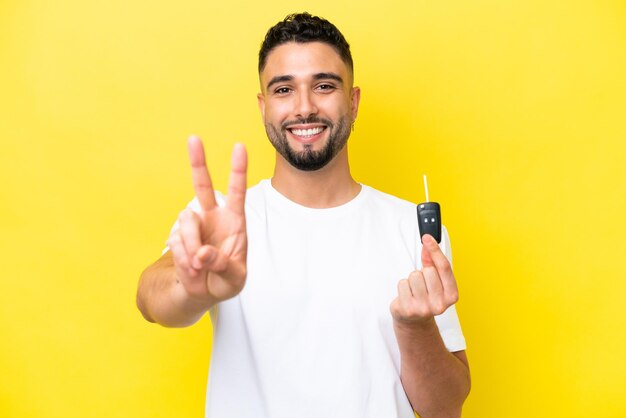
308	103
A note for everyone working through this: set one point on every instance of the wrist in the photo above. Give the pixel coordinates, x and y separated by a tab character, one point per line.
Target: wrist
423	326
190	302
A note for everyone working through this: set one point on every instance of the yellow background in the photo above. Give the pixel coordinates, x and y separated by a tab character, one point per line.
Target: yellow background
515	110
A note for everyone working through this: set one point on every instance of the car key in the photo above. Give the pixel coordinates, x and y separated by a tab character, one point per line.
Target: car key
429	217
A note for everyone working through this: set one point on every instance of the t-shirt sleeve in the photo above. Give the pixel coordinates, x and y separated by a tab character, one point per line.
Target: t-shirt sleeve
194	205
448	322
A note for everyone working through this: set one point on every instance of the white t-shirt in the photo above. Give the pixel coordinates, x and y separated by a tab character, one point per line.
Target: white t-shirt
311	333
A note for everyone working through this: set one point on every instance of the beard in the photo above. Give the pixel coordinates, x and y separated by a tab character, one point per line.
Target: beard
309	159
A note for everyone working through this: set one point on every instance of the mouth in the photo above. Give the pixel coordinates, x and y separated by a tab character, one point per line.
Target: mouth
306	134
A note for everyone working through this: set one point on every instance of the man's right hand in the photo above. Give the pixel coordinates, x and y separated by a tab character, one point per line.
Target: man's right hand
209	248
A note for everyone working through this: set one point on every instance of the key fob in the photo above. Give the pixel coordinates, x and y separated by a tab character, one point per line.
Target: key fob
429	219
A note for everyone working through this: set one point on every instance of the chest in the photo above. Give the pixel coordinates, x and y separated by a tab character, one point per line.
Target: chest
349	265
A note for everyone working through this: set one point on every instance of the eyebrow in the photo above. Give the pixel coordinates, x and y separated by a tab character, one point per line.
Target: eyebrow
328	76
279	79
318	76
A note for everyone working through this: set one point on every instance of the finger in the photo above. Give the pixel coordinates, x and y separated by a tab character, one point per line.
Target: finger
403	301
406	306
237	182
434	287
179	255
432	252
215	261
404	291
190	235
418	287
202	185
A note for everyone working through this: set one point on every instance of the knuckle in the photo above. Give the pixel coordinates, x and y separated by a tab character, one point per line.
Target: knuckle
415	275
429	270
174	240
453	297
237	188
394	307
446	267
439	307
184	214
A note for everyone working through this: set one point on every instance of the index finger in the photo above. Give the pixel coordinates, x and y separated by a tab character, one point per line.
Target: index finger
202	185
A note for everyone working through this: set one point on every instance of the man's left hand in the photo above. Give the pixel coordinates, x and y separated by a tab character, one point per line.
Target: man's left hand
426	292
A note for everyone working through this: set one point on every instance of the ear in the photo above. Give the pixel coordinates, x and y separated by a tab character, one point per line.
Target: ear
355	99
261	100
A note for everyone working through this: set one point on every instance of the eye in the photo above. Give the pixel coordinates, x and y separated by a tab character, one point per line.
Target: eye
326	87
282	90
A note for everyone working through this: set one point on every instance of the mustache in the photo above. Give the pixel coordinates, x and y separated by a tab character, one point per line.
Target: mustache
303	121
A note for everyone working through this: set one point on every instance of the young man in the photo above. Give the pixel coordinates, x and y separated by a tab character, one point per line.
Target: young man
324	302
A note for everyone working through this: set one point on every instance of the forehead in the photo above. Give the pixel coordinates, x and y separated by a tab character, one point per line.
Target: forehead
302	60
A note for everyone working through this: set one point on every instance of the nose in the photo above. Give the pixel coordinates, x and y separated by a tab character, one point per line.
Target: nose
305	104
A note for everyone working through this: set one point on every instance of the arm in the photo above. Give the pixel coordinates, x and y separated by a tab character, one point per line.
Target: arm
161	297
435	380
206	263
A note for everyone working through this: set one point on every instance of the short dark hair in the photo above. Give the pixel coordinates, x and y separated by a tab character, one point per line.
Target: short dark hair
303	28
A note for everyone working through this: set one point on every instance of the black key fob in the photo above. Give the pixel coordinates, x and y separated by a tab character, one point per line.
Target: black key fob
429	220
429	216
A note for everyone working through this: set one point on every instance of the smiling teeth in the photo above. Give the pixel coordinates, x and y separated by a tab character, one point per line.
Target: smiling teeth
307	132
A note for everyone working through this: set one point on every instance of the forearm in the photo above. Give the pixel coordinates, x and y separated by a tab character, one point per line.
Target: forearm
435	380
162	299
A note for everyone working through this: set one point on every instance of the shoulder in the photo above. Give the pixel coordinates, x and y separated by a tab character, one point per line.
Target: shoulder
404	212
388	202
391	212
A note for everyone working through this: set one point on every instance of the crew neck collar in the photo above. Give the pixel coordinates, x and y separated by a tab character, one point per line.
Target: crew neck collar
280	199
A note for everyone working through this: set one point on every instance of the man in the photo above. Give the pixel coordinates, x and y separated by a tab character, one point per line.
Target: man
324	302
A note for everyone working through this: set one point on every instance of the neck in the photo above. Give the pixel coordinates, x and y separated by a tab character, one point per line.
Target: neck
327	187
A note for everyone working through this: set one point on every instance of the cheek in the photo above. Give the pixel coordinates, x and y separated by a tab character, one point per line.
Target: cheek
336	106
276	112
